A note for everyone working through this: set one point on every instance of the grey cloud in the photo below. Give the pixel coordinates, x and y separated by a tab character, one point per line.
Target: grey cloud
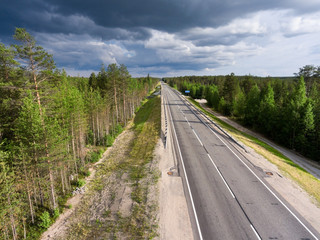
172	35
123	19
169	15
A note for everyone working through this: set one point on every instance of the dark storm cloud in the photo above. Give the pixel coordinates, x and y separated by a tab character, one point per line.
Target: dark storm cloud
162	35
171	15
37	16
105	18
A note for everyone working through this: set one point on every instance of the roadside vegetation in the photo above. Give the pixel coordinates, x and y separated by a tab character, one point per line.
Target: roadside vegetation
53	127
285	110
121	202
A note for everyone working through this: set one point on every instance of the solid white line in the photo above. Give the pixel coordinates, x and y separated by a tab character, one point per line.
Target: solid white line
187	181
221	176
283	204
254	230
197	137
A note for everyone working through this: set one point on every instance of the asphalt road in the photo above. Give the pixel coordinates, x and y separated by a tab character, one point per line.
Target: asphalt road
227	196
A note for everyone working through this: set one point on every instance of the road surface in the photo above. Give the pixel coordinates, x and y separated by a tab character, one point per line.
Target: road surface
227	196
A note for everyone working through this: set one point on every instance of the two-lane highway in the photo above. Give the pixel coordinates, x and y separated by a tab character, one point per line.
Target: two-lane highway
228	198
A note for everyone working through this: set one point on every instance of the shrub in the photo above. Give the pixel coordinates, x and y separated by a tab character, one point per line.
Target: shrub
45	220
109	140
80	183
56	213
84	172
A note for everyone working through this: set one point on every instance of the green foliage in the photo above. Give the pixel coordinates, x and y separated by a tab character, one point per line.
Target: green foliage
7	63
267	111
45	220
286	110
252	104
84	171
117	130
39	60
56	213
212	96
80	183
109	139
93	157
49	122
239	105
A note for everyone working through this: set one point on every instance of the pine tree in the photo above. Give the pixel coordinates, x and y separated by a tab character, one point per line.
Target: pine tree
113	80
7	62
40	64
124	78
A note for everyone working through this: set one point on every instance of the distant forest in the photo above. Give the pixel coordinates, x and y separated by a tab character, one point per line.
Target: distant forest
52	126
286	110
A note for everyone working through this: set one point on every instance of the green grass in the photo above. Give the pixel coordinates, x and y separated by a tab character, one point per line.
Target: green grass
307	181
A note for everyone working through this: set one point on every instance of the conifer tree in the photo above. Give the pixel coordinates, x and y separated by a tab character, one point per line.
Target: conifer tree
40	64
7	62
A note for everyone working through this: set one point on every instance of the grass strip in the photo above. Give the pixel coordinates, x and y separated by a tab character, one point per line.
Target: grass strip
304	179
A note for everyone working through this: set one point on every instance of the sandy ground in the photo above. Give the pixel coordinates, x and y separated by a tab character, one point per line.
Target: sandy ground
60	226
288	189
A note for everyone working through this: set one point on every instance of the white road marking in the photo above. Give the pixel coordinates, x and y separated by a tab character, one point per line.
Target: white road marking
283	204
186	120
197	137
221	176
186	177
254	230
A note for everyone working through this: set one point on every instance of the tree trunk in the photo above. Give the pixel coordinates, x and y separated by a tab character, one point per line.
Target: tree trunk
45	133
28	191
38	176
115	100
24	228
62	181
93	130
13	225
6	233
124	107
98	130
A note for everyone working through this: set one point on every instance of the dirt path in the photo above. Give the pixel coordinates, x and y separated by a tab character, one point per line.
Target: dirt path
121	200
58	229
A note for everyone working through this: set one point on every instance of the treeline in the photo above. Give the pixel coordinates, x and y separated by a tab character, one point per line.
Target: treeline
286	110
50	127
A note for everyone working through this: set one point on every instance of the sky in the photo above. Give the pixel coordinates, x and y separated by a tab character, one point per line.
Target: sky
171	37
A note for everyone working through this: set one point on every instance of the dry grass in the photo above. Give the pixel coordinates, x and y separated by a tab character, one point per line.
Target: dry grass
305	180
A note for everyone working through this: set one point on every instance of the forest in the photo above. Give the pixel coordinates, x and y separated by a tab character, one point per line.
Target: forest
286	110
52	127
